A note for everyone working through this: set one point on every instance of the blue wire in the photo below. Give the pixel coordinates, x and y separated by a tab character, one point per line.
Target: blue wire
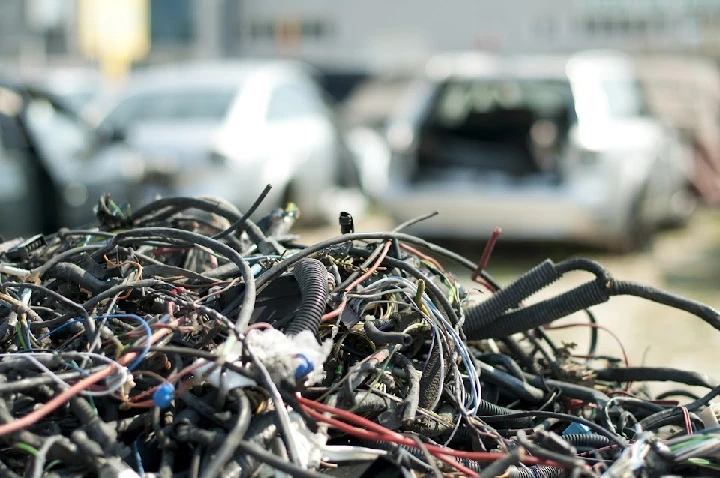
27	333
143	322
138	458
56	329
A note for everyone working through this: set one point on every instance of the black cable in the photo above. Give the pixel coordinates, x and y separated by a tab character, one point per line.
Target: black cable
286	263
274	461
239	225
703	311
655	374
594	333
499	467
565	417
248	303
380	337
232	440
677	393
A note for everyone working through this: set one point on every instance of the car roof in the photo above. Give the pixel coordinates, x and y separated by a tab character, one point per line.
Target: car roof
479	64
201	73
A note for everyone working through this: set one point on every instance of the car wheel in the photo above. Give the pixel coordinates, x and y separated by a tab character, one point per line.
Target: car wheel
639	234
684	203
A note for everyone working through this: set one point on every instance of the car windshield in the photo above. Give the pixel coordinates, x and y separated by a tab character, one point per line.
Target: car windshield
173	105
463	100
496	124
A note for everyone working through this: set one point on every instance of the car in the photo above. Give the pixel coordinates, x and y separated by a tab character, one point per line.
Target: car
54	167
547	148
230	127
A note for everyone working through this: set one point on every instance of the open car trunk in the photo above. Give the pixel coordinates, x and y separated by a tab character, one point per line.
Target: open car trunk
514	127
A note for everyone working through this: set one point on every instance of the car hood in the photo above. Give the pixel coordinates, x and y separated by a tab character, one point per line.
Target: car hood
185	144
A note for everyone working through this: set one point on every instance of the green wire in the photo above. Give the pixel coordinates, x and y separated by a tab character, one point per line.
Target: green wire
18	328
52	464
27	448
92	403
687	443
118	211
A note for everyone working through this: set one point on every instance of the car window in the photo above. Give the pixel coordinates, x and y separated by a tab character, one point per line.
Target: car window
59	134
461	100
294	100
174	105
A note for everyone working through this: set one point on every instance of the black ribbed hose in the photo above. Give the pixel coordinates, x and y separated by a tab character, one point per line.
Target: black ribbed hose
579	298
481	315
494	414
431	379
589	440
537	471
311	276
542	313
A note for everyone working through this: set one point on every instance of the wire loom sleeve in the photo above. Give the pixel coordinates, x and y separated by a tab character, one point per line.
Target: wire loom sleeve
542	313
583	297
311	276
482	315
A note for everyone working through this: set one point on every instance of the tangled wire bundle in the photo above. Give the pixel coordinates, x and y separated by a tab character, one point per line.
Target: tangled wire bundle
185	339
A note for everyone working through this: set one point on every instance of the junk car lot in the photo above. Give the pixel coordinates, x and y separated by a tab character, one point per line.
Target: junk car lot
199	333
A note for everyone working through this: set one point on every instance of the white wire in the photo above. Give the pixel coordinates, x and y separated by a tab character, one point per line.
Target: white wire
122	374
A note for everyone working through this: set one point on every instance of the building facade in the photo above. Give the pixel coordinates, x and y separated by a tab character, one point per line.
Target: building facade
375	33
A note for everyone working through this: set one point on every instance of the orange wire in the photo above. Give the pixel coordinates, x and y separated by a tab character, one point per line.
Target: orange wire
422	256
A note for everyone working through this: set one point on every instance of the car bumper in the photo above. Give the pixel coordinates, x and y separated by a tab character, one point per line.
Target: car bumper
555	213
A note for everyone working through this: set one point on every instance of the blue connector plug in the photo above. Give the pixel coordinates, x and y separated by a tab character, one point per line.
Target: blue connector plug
577	429
305	366
164	395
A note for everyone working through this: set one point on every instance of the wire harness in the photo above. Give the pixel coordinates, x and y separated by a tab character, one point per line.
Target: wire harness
184	339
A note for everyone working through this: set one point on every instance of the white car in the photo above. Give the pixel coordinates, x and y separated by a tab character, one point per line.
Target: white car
546	148
229	128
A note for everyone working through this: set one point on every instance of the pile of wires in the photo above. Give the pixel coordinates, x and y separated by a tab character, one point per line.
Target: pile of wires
184	339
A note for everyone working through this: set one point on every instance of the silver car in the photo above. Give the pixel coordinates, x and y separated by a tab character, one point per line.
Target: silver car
229	128
546	148
54	167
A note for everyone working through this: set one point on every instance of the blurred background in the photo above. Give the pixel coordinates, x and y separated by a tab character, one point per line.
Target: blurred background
580	127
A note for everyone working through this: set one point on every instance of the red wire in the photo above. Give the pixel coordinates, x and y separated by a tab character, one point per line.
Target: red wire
57	401
388	435
359	280
485	258
688	422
